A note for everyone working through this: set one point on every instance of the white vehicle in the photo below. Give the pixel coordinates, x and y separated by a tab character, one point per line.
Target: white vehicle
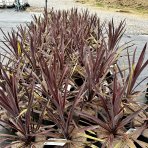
14	3
1	3
7	3
23	2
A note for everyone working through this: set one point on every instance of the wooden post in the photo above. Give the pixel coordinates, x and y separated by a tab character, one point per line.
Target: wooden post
46	4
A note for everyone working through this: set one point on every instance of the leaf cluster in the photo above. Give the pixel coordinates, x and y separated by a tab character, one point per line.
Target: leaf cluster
61	79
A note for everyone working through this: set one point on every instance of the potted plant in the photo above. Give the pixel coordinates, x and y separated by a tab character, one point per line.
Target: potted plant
62	84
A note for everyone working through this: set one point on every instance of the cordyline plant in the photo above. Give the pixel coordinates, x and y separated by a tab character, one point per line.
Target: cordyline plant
61	82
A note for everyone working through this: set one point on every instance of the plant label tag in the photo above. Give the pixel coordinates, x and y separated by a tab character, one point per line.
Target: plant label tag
56	142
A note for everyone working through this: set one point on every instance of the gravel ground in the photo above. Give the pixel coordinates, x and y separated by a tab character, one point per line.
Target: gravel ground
127	3
136	25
